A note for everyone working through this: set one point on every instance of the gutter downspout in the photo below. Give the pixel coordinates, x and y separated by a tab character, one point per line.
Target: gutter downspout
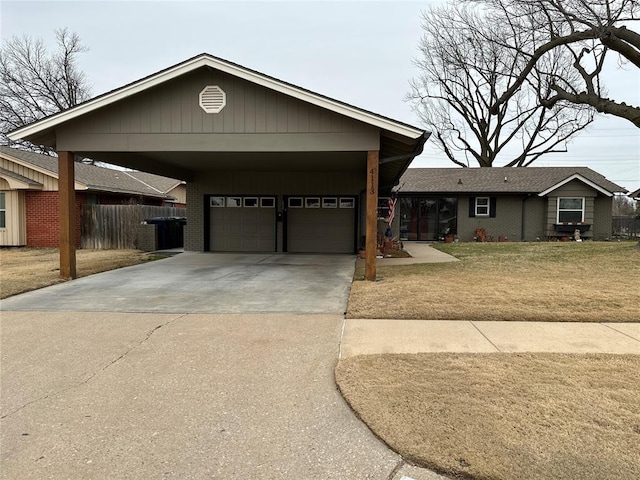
522	224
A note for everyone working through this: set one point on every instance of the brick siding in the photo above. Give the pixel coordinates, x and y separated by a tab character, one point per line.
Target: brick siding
43	218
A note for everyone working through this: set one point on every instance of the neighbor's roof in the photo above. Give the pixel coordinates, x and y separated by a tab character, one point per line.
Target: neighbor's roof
635	194
97	178
539	180
206	60
21	179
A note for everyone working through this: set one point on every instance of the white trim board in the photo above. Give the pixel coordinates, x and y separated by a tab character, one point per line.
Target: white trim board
576	176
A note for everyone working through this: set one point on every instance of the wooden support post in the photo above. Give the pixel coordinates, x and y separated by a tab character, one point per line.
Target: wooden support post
371	239
67	214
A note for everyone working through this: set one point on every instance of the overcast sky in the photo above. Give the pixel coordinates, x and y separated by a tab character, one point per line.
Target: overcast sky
357	52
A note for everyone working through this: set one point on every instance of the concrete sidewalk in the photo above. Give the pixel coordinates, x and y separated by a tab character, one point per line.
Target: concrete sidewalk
421	252
364	337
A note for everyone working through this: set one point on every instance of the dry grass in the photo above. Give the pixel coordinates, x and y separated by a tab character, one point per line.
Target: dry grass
26	269
503	416
586	282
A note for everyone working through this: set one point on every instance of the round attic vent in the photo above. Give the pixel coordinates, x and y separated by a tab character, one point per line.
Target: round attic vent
212	99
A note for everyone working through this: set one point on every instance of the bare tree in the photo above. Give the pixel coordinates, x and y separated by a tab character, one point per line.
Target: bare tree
35	83
463	70
623	205
589	31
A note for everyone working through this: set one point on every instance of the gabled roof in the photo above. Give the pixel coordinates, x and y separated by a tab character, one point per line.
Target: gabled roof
533	180
17	181
206	60
96	178
635	194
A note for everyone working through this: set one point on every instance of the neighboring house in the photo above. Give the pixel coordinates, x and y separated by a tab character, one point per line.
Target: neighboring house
515	204
29	195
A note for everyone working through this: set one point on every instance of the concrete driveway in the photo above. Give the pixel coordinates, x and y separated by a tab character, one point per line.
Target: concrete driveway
164	391
205	283
179	396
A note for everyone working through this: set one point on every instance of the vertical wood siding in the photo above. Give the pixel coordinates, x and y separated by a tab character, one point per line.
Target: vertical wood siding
48	182
173	108
15	232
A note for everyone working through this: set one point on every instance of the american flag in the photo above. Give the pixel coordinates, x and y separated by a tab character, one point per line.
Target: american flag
391	203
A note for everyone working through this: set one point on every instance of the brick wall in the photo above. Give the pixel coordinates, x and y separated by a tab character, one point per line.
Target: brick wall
43	219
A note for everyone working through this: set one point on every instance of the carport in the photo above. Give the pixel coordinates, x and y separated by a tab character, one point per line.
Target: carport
269	166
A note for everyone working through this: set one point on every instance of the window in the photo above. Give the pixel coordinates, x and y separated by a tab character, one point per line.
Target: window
313	202
347	203
329	203
216	202
251	202
570	210
267	202
234	201
3	211
295	202
482	206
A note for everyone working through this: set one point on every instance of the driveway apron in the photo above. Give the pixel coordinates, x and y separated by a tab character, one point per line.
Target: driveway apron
178	396
205	283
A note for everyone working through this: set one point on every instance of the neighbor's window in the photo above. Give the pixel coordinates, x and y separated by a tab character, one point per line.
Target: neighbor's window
482	206
3	212
570	210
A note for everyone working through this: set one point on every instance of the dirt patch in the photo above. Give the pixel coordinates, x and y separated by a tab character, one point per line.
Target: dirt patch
26	269
585	282
503	416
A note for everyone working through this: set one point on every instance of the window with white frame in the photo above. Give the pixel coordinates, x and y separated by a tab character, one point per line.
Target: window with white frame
295	202
570	209
482	206
251	202
267	202
216	202
3	211
234	202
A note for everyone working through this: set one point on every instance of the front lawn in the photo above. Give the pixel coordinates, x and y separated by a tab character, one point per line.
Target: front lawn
26	269
546	281
503	416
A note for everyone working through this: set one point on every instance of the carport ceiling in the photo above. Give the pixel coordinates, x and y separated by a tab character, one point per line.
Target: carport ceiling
192	162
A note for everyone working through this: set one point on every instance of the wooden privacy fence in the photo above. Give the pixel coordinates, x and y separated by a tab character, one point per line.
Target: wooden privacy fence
117	226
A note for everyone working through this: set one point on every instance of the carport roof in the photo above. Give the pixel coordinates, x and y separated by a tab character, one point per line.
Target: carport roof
40	127
399	141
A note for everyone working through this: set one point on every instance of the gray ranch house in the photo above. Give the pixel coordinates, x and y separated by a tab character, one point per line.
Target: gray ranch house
514	204
269	166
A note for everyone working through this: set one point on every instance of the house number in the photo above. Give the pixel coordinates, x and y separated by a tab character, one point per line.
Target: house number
372	189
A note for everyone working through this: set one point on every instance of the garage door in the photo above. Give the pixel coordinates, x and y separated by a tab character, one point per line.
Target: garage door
321	224
242	224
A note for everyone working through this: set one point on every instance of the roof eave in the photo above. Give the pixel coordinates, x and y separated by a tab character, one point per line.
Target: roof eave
579	177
